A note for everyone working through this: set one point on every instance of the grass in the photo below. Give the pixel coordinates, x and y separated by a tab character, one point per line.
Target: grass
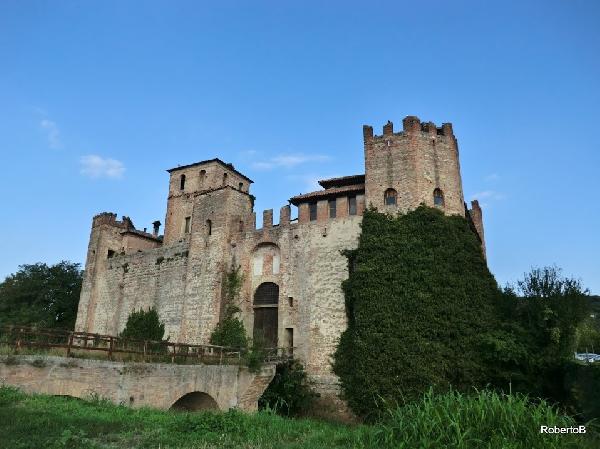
449	421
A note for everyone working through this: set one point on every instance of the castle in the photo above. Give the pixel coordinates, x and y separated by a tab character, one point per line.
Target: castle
293	270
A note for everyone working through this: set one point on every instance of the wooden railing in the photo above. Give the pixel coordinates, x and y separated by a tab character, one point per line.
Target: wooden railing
75	344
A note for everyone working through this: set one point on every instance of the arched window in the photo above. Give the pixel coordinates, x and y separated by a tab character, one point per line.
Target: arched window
182	182
241	185
209	227
267	294
224	178
438	198
389	197
202	177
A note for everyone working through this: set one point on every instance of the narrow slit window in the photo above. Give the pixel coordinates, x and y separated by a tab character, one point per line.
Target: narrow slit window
438	198
209	227
241	186
312	209
332	208
202	178
390	196
224	178
351	205
188	221
182	182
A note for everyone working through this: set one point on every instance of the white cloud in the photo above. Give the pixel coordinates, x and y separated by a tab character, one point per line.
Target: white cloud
52	133
486	196
95	166
288	161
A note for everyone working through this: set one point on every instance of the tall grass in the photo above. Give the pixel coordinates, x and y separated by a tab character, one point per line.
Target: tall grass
451	421
483	420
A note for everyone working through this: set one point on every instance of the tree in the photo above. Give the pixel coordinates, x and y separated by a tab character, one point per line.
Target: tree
548	314
420	300
42	295
144	325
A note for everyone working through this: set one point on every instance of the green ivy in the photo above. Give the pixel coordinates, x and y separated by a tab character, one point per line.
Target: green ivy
420	300
231	331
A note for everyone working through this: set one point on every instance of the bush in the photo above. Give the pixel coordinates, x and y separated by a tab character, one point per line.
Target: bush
289	393
419	301
582	385
230	332
144	325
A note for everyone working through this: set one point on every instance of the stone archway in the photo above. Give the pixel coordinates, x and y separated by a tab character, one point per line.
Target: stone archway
195	401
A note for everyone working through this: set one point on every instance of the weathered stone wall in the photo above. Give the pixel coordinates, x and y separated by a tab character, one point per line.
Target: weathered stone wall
136	384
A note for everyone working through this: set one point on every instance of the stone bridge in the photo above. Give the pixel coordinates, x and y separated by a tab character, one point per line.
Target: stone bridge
158	385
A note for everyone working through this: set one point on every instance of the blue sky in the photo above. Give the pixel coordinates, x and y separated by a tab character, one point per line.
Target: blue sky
98	99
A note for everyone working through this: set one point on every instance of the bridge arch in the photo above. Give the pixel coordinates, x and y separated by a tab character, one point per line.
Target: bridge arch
195	401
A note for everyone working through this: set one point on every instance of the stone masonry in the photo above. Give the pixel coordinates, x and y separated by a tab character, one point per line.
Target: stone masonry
155	385
292	270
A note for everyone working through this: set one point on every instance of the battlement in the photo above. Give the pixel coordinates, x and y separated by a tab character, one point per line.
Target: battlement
410	125
125	225
110	219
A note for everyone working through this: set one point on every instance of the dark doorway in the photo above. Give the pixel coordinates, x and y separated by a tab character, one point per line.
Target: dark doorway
266	300
265	326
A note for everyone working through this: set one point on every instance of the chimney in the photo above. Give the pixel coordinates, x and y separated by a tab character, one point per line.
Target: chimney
156	225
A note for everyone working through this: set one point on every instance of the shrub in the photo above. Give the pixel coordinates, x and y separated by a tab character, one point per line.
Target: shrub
230	332
582	384
144	325
419	300
289	393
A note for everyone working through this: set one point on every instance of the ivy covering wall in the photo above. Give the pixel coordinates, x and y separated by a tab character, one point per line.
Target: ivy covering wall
419	299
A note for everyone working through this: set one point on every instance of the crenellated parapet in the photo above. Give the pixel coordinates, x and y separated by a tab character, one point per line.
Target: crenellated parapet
476	216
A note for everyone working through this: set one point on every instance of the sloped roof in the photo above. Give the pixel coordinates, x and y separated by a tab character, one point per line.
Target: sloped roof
217	160
328	193
342	181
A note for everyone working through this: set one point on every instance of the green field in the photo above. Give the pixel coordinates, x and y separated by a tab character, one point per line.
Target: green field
451	421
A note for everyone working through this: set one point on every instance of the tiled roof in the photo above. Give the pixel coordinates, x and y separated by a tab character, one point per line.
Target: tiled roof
141	234
328	193
217	160
342	181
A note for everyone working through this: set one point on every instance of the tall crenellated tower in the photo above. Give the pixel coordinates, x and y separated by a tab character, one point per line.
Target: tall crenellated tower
419	165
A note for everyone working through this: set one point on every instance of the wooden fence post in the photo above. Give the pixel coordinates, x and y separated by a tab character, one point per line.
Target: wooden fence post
69	344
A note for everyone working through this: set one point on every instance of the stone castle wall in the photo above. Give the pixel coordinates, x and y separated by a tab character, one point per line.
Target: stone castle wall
210	227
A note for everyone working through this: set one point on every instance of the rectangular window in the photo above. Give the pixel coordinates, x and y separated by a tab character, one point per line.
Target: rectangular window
332	204
351	205
187	224
289	340
312	209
